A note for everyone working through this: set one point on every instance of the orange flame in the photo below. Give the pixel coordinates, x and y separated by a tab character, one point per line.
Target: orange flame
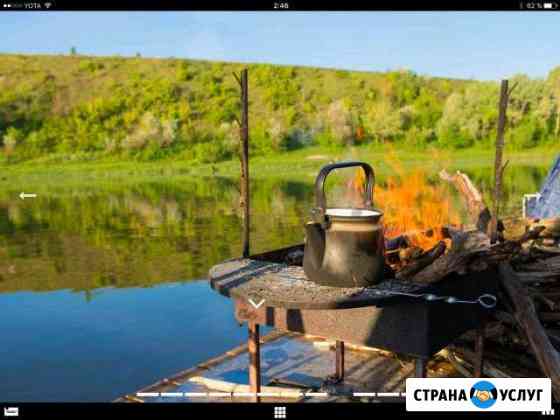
412	205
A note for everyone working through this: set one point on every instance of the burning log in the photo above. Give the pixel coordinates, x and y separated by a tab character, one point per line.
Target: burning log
471	251
393	244
422	261
464	246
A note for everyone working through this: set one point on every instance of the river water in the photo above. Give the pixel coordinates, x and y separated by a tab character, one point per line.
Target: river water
102	287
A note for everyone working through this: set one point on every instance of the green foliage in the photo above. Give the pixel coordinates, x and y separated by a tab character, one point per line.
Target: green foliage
90	66
151	109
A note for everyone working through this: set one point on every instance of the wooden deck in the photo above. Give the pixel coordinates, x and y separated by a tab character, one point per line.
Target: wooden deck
293	365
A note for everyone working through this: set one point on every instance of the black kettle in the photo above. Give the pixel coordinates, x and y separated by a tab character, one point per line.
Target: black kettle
344	247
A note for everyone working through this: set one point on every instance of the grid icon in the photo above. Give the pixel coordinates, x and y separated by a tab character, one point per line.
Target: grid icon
279	412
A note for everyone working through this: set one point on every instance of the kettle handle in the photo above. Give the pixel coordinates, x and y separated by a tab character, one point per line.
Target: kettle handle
321	201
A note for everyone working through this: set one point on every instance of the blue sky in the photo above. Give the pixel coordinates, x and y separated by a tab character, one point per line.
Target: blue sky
480	45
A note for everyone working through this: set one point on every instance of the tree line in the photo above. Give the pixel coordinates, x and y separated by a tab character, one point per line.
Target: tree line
60	108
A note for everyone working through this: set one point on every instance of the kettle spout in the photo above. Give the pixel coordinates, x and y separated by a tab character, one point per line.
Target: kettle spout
315	244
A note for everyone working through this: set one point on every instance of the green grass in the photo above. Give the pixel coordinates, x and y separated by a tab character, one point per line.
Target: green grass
301	165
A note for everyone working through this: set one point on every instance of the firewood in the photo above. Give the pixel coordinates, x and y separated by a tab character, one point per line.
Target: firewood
449	355
492	330
504	317
478	210
539	297
532	233
410	253
549	265
465	359
471	251
549	316
464	246
554	336
553	294
528	321
537	277
422	261
509	356
397	242
551	250
406	239
551	227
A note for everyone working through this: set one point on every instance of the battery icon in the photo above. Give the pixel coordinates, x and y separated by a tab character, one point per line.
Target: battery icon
550	5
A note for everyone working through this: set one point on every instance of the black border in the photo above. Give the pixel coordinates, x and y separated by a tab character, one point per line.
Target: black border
245	411
279	5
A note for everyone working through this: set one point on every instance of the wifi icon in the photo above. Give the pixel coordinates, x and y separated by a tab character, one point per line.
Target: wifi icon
48	5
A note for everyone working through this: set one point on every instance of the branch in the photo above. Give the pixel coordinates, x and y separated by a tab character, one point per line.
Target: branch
512	88
237	78
478	209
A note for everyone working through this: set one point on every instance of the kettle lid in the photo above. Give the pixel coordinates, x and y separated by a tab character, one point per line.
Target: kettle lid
350	214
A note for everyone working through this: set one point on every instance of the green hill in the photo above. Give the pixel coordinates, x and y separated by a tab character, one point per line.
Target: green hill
58	108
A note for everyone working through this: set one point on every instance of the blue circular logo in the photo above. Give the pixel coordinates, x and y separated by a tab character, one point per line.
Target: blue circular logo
483	394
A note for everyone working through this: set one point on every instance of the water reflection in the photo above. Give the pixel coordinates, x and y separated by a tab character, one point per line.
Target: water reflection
137	236
141	235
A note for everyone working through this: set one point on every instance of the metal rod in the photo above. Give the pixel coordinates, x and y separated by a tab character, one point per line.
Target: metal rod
420	364
254	347
479	353
244	132
339	350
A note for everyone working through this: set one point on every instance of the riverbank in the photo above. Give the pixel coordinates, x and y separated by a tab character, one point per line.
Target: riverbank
301	164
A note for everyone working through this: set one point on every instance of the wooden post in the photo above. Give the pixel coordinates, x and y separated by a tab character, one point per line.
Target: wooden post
244	127
479	352
254	346
339	361
420	365
499	167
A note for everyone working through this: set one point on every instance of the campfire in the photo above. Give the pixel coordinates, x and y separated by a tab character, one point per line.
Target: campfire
413	206
425	242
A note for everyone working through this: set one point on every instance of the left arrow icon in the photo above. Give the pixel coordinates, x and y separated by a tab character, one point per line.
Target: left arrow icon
23	195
